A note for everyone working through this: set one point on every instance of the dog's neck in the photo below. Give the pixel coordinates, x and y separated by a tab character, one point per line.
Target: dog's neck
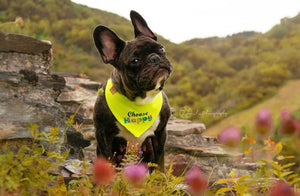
140	97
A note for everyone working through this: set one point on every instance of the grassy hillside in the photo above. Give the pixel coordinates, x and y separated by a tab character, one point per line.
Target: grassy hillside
287	97
234	73
211	75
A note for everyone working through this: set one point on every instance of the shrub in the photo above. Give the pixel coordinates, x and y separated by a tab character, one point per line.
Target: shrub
276	174
29	171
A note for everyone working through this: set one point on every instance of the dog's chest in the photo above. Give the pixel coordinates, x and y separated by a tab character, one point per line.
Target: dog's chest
123	132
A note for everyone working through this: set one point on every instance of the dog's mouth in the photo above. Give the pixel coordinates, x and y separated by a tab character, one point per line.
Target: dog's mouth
157	82
160	83
161	86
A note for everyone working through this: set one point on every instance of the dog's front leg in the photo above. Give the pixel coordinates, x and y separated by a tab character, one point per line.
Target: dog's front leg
104	143
106	128
160	139
153	149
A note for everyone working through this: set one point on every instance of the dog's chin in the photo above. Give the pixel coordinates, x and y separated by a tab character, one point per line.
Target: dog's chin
152	92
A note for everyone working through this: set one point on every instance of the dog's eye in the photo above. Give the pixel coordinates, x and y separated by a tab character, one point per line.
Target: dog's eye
162	50
135	61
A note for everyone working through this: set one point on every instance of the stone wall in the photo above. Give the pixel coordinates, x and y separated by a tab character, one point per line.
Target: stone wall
27	89
31	93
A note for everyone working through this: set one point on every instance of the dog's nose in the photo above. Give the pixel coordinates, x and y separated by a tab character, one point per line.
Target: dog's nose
155	59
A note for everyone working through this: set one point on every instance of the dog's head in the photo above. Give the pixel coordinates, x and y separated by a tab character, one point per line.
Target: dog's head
141	65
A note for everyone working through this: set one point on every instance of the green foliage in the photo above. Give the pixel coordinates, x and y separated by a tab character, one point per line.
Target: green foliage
28	172
277	161
240	186
156	183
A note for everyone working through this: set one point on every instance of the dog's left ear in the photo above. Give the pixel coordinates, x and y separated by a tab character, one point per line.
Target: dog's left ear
140	26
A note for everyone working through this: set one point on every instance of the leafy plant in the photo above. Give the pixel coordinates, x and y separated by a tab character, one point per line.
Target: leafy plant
273	165
131	179
240	185
29	171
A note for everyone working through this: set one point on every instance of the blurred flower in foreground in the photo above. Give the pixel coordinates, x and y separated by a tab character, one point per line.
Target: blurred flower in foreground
297	127
287	123
104	173
264	122
19	21
135	174
230	137
281	189
196	180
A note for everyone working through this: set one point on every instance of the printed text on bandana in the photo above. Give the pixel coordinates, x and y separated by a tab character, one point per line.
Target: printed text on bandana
137	118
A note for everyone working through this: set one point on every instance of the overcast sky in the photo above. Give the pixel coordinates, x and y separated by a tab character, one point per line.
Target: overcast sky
186	19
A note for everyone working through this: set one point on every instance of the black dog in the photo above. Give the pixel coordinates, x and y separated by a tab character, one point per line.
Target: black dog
140	71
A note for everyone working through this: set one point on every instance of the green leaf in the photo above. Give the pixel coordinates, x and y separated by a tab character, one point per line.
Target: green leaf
224	190
220	181
295	180
32	129
71	120
289	157
286	174
275	172
288	165
27	162
292	176
243	178
54	131
100	91
232	175
278	148
276	166
280	158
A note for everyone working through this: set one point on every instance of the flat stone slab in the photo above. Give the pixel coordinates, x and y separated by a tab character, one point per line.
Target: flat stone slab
21	43
181	127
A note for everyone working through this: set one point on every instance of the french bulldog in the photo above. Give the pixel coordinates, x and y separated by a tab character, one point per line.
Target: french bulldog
141	69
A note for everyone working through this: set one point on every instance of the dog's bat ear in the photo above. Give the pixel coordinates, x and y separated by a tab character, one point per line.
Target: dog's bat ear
140	26
108	44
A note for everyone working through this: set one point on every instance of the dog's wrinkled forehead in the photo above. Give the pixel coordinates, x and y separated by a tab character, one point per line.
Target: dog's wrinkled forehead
142	46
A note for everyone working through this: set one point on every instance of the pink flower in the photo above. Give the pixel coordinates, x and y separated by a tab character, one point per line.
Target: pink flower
135	174
230	137
196	180
264	122
287	123
297	127
281	188
104	173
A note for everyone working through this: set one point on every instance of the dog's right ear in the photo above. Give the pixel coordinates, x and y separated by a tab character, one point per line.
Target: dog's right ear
108	44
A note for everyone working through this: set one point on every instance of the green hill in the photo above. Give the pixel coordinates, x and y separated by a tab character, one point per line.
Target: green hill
287	97
234	73
213	75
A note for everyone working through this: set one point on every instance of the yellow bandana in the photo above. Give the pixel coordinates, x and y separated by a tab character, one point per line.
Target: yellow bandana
134	117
